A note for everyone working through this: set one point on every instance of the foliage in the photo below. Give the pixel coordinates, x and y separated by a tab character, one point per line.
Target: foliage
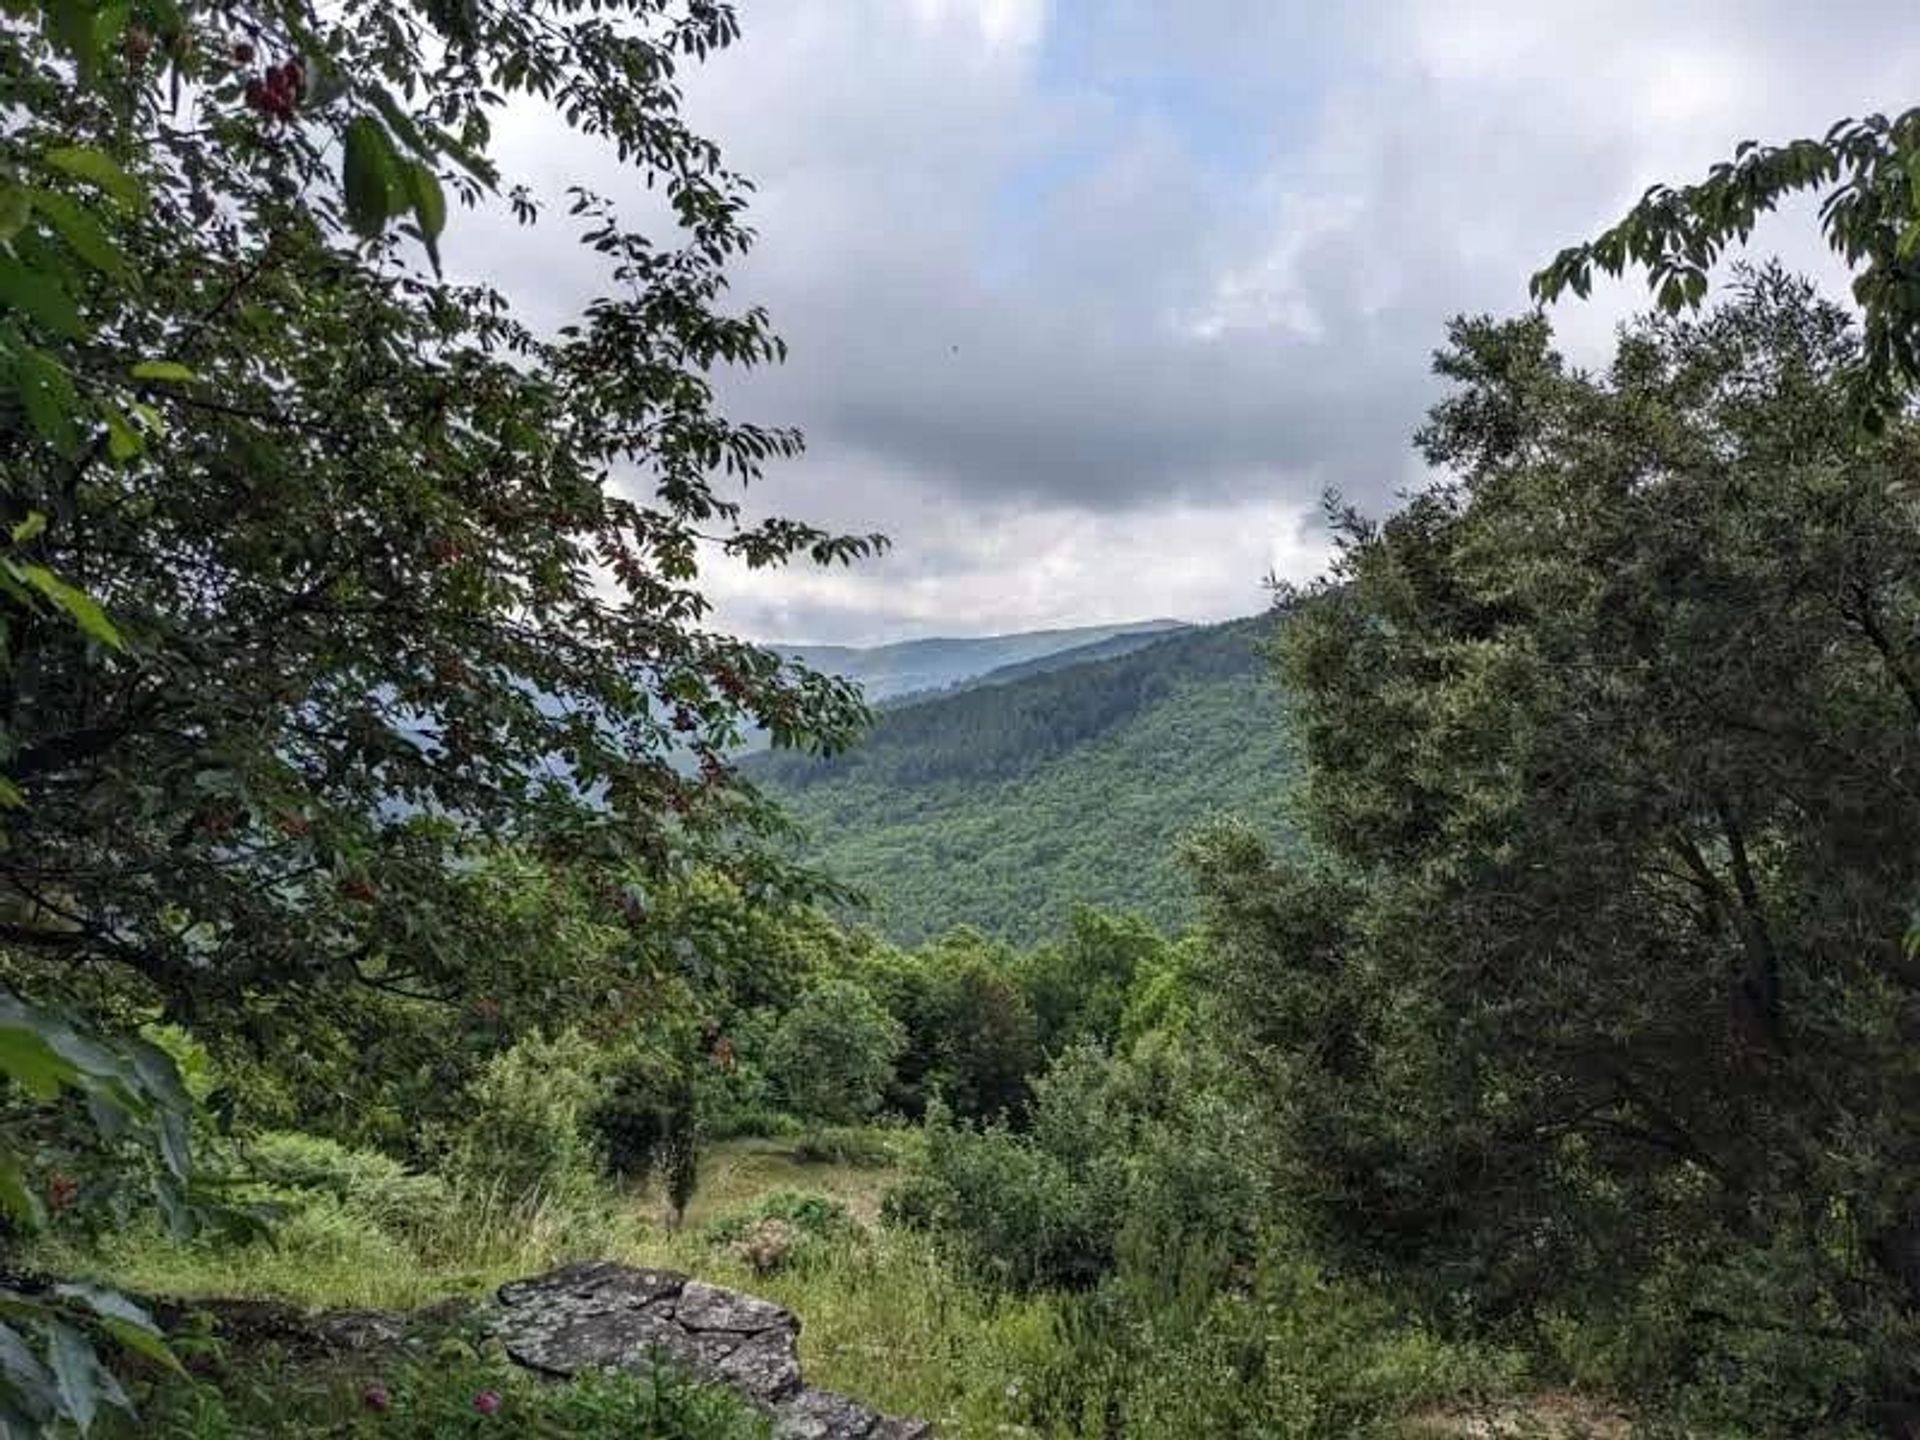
1008	807
834	1052
365	1182
967	1026
1293	1353
1145	1155
819	1216
1599	993
645	1118
526	1127
138	1116
1868	175
314	572
1080	984
435	1398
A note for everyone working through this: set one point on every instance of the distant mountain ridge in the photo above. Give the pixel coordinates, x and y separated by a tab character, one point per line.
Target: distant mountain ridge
1005	802
910	667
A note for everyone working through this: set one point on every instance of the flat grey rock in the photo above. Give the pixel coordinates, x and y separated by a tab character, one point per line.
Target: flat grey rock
823	1415
707	1307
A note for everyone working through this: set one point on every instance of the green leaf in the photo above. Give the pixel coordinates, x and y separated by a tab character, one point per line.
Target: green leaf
17	1197
429	206
34	525
46	390
79	606
164	370
142	1341
39	295
23	1379
1909	237
16	208
81	230
31	1063
369	176
124	441
96	168
107	1304
77	1372
10	795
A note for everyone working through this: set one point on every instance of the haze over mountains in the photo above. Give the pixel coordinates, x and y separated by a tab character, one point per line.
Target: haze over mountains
1064	778
911	667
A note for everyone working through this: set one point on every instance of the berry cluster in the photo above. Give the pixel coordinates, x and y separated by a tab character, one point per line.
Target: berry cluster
275	92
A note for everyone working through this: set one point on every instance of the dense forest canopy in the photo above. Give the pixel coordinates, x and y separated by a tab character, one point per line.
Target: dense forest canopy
1006	806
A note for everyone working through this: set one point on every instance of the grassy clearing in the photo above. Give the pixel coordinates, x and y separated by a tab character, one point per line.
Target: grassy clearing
884	1318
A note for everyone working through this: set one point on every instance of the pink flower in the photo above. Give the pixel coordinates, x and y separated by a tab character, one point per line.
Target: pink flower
376	1398
487	1401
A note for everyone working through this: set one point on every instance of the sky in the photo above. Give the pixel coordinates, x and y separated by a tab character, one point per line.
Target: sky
1090	301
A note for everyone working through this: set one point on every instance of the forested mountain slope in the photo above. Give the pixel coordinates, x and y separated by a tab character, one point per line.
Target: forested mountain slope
1005	806
907	667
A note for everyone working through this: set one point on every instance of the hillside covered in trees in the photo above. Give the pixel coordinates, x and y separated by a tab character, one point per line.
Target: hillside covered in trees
1007	805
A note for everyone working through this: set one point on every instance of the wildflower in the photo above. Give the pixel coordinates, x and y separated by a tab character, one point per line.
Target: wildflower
487	1402
376	1398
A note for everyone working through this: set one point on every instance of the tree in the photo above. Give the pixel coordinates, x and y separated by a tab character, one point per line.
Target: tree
833	1053
1868	173
323	573
1596	1000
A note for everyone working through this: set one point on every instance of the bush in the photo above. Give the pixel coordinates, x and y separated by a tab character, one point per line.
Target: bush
365	1183
646	1120
1014	1212
526	1129
1139	1155
819	1216
1292	1353
833	1054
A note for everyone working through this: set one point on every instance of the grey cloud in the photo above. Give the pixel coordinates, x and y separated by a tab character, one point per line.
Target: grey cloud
1024	285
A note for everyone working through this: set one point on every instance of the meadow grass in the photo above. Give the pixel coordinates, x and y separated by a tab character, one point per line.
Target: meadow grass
883	1316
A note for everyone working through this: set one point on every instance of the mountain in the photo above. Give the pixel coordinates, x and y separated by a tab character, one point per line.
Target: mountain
889	672
1003	805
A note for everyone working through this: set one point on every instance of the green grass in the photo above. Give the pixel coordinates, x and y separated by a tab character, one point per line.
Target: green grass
883	1316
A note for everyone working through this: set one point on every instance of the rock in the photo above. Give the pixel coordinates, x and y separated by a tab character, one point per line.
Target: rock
706	1307
823	1415
766	1367
603	1315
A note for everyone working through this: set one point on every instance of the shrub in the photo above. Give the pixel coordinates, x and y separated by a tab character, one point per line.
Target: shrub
646	1115
526	1126
1142	1155
784	1229
366	1183
1293	1353
819	1216
833	1053
1014	1211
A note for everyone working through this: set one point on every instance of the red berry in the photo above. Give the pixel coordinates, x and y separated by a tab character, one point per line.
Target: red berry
243	53
256	95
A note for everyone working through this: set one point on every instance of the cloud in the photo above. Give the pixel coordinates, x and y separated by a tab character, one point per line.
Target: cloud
1088	301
